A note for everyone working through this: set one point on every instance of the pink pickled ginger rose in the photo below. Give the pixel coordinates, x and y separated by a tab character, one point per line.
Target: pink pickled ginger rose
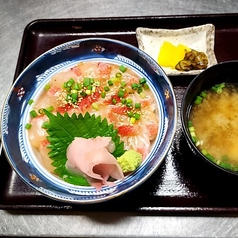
91	158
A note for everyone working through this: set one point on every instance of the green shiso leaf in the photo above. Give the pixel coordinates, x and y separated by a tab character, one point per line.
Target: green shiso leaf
62	129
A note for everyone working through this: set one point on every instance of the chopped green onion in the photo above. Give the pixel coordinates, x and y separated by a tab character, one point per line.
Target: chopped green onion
88	92
103	94
129	100
89	87
91	80
93	89
47	87
41	111
68	97
114	79
142	81
129	104
74	91
134	86
97	83
95	105
204	152
123	83
50	109
198	100
130	114
121	93
226	165
132	120
74	97
106	88
110	83
114	101
76	86
218	87
70	82
210	157
145	86
122	68
137	105
221	85
118	75
123	101
65	85
30	101
33	113
193	134
194	139
139	89
190	123
83	94
28	126
86	82
142	95
203	94
134	116
137	116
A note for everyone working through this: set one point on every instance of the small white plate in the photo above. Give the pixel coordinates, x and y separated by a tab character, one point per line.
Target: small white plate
199	38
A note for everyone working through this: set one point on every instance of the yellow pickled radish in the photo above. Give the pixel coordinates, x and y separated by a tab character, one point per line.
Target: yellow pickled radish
170	55
166	54
179	54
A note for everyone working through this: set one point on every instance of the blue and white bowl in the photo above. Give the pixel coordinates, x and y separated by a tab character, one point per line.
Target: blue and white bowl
31	82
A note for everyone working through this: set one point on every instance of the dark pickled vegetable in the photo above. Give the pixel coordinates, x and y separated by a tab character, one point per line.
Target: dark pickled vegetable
193	60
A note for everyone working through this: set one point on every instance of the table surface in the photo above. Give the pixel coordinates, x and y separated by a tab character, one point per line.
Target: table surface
14	16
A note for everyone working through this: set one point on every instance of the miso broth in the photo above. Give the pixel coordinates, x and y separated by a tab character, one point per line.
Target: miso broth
214	125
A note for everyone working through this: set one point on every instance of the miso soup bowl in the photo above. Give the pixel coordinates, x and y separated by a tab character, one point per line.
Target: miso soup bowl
33	79
219	73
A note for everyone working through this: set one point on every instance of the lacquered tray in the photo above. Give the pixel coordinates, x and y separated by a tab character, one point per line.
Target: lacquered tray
184	184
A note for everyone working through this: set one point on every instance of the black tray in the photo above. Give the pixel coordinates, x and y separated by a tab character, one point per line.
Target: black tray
184	184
